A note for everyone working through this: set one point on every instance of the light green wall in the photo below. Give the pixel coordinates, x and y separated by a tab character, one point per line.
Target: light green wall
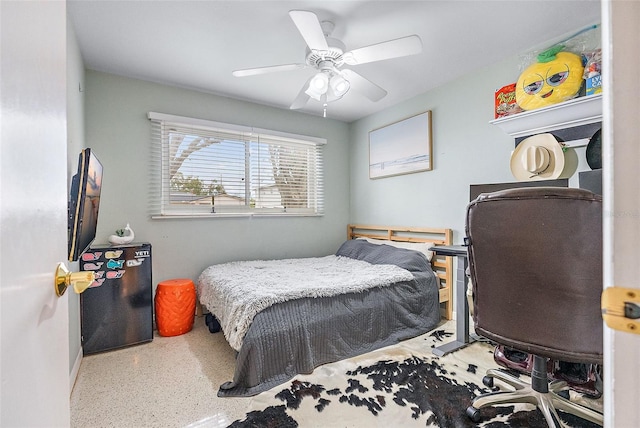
466	150
118	130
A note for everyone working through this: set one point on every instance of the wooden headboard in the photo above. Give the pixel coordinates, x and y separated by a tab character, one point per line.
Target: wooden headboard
442	266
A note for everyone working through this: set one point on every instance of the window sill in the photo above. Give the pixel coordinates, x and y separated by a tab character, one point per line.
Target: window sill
228	215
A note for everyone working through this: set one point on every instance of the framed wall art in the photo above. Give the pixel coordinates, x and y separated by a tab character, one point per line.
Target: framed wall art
402	147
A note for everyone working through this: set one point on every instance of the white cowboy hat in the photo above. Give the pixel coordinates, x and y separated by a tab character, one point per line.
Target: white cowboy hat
539	157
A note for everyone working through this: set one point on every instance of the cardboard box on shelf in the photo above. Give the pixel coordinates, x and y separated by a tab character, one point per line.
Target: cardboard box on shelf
505	101
594	85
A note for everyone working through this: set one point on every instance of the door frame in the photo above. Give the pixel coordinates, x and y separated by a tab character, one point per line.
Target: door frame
621	200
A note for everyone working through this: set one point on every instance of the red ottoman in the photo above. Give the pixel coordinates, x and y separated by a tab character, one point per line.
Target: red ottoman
175	306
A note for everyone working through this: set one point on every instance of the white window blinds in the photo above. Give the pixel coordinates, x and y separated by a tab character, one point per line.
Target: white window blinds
204	168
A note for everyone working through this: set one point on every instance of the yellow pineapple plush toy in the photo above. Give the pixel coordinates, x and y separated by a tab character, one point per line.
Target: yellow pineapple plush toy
556	77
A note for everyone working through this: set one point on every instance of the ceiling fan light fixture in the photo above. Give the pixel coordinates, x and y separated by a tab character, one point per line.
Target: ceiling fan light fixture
318	86
339	85
327	55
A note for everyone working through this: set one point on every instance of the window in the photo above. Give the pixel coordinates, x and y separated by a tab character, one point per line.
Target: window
204	168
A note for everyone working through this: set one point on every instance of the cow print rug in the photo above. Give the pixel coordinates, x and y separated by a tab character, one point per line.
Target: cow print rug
403	385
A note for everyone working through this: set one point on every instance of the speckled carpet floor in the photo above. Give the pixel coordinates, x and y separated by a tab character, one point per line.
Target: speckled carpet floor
173	382
404	385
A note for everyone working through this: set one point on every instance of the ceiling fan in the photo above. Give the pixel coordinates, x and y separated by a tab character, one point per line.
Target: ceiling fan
328	56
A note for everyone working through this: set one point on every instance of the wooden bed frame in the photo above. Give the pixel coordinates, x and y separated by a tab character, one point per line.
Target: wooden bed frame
442	266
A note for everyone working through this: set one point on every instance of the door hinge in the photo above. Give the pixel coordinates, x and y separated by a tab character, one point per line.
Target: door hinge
621	309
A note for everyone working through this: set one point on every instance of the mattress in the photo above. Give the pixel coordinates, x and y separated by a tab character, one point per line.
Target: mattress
295	336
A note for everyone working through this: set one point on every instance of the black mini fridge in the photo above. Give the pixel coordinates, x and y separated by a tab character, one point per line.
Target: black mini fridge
117	308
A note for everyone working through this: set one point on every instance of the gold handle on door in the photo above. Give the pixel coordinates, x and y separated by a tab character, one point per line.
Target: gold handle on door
79	280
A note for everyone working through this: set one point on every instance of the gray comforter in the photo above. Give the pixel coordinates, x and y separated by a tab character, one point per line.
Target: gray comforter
298	335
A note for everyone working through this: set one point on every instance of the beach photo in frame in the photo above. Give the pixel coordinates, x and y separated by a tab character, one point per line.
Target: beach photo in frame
402	147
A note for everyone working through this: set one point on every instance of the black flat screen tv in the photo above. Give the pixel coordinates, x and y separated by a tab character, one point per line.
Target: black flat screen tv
84	204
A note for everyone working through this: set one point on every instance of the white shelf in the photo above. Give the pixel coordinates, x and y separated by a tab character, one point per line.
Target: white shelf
575	112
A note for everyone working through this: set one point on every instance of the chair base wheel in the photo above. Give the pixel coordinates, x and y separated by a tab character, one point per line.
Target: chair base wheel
488	381
473	414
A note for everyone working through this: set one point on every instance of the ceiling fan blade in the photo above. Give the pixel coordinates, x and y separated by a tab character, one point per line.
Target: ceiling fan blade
265	70
310	29
302	98
364	85
404	46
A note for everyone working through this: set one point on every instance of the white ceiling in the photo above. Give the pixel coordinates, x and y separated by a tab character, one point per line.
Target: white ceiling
197	44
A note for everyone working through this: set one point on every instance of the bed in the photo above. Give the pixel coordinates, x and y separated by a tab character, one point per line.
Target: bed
285	317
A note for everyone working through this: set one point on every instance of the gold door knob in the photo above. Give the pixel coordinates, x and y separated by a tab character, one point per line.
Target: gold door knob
79	280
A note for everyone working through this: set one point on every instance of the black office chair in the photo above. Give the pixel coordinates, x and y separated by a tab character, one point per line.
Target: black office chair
535	260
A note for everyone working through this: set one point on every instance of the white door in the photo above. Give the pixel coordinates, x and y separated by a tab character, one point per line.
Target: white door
621	161
33	197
